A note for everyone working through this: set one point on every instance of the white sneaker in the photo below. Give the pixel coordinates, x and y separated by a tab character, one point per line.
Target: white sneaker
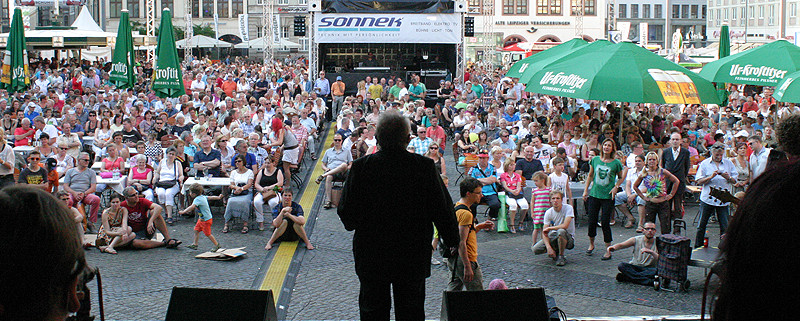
434	261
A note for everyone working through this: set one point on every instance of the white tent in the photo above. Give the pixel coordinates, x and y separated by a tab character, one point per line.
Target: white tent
84	25
201	41
261	43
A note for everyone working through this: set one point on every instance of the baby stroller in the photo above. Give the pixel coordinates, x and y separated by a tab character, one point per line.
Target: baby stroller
673	260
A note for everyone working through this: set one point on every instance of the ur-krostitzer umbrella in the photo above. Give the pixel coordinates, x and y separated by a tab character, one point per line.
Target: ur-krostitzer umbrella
167	76
14	76
764	65
122	71
788	89
622	72
538	60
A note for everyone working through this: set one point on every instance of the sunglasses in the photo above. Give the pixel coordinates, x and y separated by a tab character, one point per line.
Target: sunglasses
337	140
433	148
238	161
223	141
34	159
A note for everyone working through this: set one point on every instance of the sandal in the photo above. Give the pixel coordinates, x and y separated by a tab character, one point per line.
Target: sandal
244	230
225	229
630	223
170	221
512	230
319	179
606	258
328	205
193	246
172	243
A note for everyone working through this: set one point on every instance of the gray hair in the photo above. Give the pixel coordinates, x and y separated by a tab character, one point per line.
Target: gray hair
141	157
127	191
392	131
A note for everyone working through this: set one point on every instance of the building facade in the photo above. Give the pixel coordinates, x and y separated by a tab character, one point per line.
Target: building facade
516	21
687	15
754	21
227	22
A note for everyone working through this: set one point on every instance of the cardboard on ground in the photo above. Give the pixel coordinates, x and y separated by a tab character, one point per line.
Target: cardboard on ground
222	254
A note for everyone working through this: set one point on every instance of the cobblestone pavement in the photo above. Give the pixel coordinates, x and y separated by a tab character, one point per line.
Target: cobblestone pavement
137	284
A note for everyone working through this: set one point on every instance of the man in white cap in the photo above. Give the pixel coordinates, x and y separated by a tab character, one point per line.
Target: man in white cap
337	91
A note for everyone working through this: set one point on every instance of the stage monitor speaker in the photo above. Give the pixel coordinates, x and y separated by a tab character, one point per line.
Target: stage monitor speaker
220	304
529	304
314	5
460	6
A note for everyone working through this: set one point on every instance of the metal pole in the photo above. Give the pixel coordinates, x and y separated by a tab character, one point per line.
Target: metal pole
747	18
668	27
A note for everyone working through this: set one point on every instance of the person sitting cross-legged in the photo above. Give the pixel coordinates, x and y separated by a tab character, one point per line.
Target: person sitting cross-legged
288	221
642	267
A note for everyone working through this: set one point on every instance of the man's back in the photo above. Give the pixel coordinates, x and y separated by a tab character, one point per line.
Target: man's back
390	199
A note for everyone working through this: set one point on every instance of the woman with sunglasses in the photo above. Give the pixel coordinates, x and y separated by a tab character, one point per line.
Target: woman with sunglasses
115	231
240	197
168	178
438	158
655	180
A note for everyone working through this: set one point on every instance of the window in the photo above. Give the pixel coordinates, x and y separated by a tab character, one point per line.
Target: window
195	9
208	9
793	9
676	11
703	12
695	13
548	7
635	11
114	8
752	10
718	16
685	11
515	7
522	6
303	42
645	11
283	2
285	31
760	12
623	11
133	8
743	11
302	2
238	8
771	15
658	11
168	4
733	14
222	8
588	7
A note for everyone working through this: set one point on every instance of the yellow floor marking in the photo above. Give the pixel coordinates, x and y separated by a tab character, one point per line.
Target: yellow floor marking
276	273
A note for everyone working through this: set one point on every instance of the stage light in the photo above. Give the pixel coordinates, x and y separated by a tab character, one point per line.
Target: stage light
299	26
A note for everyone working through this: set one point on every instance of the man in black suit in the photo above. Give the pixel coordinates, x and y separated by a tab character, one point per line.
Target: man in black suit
390	199
675	160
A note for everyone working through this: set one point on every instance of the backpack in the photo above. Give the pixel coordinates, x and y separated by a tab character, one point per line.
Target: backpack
449	251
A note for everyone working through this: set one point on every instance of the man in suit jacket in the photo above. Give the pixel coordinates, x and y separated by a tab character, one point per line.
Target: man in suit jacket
676	160
390	199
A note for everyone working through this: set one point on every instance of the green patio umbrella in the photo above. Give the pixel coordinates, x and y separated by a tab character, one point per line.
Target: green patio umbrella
622	72
788	89
167	76
724	51
122	71
14	76
764	65
536	61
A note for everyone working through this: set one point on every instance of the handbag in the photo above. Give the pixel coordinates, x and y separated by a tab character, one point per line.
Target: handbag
169	183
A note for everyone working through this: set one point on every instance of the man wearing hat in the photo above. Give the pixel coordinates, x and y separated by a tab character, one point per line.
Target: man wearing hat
487	175
337	90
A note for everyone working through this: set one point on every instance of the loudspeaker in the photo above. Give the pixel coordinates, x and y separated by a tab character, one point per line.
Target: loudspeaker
220	304
528	304
460	6
314	5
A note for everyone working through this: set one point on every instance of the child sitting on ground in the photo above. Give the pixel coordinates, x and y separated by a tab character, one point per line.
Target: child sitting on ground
204	218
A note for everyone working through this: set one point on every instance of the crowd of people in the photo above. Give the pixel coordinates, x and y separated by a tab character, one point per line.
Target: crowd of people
253	123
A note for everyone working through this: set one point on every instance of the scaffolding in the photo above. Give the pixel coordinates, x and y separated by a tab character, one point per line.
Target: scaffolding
187	51
313	48
579	19
267	17
150	26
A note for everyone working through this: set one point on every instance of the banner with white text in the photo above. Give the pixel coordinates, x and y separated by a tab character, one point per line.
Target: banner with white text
387	28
